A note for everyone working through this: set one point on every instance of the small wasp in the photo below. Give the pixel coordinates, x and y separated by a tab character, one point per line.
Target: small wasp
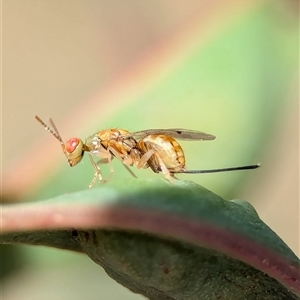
154	148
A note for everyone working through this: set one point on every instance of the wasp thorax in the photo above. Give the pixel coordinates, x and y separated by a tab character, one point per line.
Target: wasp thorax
74	150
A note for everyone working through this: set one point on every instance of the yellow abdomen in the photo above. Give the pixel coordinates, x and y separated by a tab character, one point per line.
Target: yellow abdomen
167	148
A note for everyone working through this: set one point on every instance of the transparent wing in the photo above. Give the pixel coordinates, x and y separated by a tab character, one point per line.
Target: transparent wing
177	133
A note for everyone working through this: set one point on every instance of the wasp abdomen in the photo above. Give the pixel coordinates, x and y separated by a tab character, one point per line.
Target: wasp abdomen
168	150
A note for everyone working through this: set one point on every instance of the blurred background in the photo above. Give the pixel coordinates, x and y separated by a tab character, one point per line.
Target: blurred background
229	68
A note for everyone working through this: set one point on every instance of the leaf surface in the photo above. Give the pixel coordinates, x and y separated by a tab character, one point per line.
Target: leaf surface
165	241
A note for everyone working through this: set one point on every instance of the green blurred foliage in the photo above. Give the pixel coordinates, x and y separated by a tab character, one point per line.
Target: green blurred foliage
233	86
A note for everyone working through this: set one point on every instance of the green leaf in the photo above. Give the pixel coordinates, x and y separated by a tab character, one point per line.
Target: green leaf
163	240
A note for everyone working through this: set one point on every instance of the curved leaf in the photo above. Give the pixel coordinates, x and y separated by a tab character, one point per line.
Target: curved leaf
166	241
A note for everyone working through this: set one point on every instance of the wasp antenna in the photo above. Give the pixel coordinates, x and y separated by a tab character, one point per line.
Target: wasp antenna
55	128
53	131
249	167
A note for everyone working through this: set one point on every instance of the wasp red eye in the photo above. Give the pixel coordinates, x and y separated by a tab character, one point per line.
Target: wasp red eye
72	144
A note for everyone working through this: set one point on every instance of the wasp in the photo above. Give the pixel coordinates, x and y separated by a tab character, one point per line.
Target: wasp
157	149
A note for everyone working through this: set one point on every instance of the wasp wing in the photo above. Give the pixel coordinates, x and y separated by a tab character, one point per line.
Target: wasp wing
177	133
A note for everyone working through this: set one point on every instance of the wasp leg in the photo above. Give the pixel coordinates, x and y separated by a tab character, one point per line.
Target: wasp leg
102	161
98	173
145	158
130	171
164	169
107	158
127	160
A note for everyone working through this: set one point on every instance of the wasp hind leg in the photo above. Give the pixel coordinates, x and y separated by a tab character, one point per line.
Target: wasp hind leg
161	165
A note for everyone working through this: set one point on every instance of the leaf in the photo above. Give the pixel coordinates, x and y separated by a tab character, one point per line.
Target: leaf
163	240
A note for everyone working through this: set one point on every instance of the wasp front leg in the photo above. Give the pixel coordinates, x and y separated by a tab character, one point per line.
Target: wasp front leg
98	173
107	156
